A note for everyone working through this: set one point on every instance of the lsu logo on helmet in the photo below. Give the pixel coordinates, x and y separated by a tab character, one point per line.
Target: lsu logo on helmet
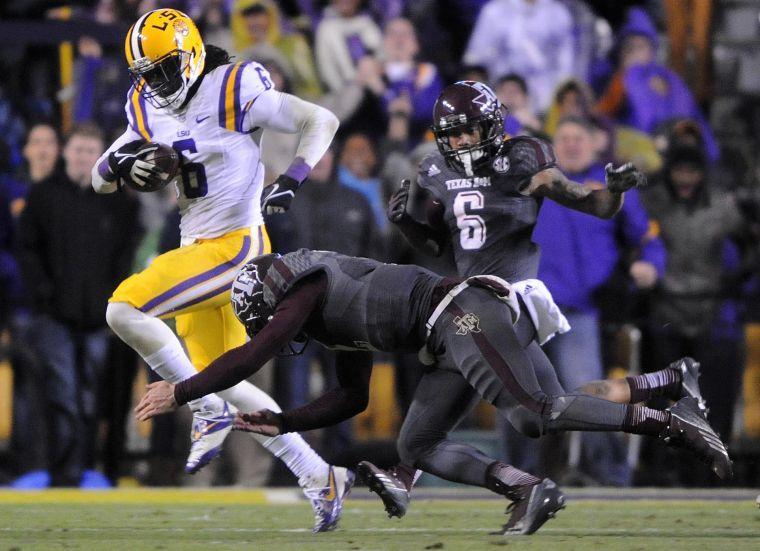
166	56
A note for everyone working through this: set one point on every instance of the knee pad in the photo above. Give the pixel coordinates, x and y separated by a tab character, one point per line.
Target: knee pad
142	332
128	322
117	316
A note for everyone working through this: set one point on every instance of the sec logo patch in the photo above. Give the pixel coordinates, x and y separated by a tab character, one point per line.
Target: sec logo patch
501	164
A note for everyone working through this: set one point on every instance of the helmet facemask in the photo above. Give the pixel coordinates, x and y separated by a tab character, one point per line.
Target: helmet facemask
248	298
164	82
471	158
250	307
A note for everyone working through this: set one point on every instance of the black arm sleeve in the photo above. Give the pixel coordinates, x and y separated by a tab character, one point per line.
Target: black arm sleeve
338	404
429	238
240	363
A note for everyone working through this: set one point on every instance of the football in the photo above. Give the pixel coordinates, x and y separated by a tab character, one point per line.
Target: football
166	161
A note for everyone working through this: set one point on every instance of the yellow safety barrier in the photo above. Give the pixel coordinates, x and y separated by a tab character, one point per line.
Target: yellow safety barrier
752	381
381	418
6	400
138	495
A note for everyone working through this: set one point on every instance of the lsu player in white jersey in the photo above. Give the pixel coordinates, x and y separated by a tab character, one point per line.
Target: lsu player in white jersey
190	96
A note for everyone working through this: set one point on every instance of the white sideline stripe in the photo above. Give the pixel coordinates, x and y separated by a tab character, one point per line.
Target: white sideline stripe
284	496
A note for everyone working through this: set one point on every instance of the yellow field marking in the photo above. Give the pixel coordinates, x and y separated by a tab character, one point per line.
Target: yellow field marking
139	495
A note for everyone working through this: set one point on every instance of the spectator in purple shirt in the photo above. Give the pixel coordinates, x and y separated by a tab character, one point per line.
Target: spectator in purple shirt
644	93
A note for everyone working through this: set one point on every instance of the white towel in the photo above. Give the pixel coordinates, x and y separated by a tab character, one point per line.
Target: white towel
544	312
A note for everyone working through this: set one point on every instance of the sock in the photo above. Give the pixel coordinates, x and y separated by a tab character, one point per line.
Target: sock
665	382
310	469
173	365
152	339
508	481
644	420
406	474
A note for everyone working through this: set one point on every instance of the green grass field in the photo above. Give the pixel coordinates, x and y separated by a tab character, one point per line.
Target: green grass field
186	519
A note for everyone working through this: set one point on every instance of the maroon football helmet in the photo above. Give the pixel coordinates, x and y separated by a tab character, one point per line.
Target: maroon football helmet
250	307
462	106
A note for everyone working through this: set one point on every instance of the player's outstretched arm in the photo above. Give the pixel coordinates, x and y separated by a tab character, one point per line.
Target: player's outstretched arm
348	399
421	236
603	203
240	363
264	421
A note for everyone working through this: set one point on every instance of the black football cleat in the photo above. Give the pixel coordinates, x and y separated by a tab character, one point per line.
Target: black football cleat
689	369
385	484
530	513
689	429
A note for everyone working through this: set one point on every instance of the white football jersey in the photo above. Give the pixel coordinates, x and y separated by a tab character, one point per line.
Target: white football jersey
219	188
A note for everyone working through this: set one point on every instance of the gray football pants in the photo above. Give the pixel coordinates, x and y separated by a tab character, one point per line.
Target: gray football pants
480	353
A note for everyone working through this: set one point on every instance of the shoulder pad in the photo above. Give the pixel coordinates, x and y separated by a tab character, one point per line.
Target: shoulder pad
529	155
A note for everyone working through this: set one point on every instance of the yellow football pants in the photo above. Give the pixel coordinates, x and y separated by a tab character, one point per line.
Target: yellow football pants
192	284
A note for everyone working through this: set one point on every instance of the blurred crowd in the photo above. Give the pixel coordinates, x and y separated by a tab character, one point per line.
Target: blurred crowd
674	274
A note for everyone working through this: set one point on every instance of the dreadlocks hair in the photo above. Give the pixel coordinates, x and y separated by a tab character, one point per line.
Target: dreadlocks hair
215	57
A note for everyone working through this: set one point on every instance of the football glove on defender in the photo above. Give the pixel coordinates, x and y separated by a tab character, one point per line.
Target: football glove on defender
128	163
276	198
398	201
623	178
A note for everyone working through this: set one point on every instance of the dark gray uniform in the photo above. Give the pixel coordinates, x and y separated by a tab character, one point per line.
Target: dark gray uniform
491	224
489	220
368	305
373	306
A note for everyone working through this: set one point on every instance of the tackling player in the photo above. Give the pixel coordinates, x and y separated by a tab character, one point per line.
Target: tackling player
479	328
190	96
485	192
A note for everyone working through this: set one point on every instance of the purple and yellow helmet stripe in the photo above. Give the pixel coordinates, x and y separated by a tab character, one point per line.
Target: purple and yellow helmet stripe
133	45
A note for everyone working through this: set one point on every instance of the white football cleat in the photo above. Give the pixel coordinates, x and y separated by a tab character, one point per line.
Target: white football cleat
327	501
207	436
